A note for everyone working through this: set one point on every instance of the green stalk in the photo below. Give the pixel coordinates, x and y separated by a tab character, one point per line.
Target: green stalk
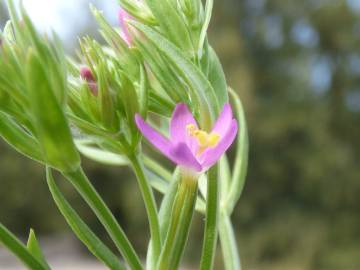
228	243
82	184
212	210
180	221
164	216
150	204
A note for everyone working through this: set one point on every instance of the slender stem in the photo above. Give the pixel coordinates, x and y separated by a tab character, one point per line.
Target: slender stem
164	215
79	180
230	251
150	204
212	209
180	221
159	170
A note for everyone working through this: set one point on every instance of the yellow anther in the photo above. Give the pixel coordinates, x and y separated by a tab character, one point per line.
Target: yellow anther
213	139
204	139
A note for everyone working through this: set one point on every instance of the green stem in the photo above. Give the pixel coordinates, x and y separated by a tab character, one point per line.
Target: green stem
180	221
150	204
79	180
212	209
228	244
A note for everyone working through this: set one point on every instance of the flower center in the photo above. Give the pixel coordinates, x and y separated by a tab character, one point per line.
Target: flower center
204	139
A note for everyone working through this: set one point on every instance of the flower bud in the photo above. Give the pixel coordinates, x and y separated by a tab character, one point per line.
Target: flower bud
87	75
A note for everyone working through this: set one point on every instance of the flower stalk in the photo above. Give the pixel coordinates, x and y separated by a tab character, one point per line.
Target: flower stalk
180	221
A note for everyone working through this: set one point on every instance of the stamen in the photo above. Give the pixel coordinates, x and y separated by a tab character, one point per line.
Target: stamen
204	139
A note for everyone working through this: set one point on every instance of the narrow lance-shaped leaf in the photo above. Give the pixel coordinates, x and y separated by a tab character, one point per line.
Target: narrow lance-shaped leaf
130	101
126	57
143	92
208	11
217	78
34	248
241	160
172	24
161	71
79	227
203	91
229	248
23	142
19	250
52	128
106	103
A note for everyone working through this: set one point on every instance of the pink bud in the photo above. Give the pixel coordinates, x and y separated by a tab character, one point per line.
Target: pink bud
123	16
87	75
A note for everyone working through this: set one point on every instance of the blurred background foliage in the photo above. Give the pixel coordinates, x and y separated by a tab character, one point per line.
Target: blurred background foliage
296	66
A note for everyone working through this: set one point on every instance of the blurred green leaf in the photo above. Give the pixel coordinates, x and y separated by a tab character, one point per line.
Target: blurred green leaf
79	227
241	160
34	248
217	78
203	94
172	24
19	250
18	138
51	125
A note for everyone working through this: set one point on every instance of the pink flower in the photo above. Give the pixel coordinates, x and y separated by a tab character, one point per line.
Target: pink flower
188	146
123	16
86	74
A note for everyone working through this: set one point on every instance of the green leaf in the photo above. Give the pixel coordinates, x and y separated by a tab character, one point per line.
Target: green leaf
130	101
241	160
204	94
101	156
84	187
143	92
229	248
19	250
162	72
217	78
126	57
18	138
208	11
52	127
79	227
34	248
172	24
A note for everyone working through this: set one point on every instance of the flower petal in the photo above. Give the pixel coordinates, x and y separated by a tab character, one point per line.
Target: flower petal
154	137
182	155
212	155
181	117
224	120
